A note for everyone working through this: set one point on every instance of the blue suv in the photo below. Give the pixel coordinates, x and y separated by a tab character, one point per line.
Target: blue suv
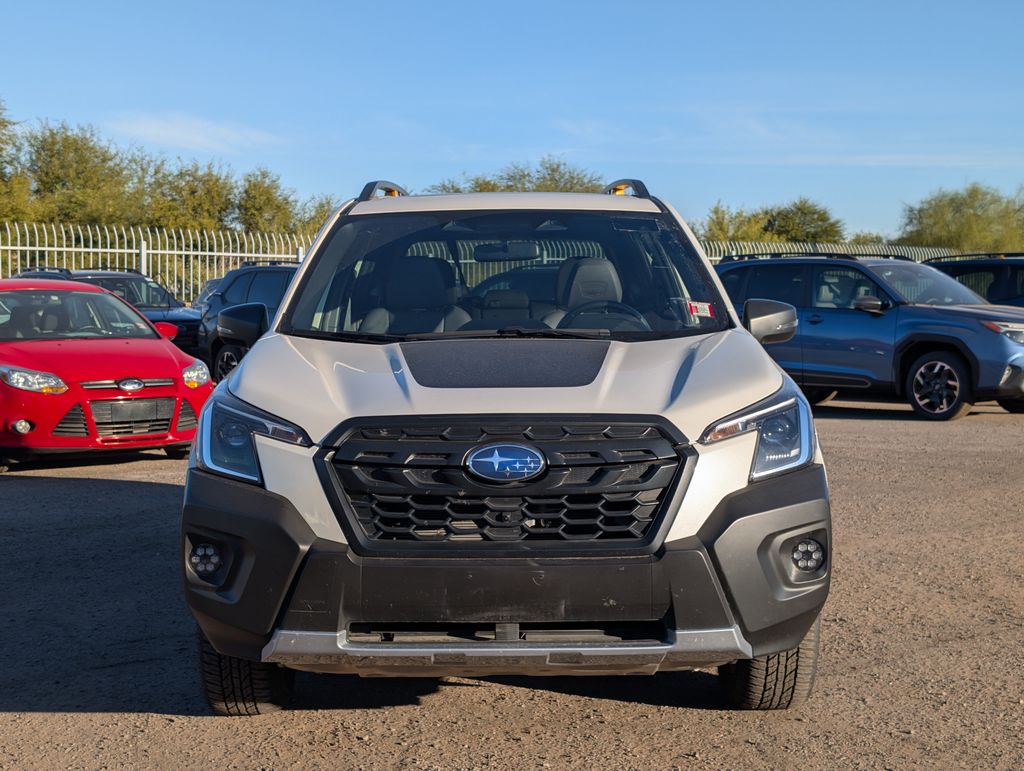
887	325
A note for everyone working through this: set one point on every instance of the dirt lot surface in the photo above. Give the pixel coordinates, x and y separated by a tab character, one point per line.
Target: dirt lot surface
923	637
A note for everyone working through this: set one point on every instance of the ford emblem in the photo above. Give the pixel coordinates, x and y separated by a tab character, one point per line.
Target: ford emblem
131	384
505	462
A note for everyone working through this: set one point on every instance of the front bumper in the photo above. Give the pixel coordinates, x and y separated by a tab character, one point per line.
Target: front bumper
68	422
286	596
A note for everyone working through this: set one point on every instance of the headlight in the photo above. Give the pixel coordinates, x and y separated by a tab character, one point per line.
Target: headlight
195	374
1013	331
30	380
785	436
227	426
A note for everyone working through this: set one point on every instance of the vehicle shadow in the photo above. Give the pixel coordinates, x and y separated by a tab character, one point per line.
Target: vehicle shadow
885	411
93	614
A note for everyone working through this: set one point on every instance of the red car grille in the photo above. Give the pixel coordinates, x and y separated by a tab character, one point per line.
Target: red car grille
132	417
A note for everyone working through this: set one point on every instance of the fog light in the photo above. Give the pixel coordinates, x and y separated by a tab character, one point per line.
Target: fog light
21	426
205	559
809	555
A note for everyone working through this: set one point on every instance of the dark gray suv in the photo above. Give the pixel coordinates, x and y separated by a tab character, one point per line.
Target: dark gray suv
890	326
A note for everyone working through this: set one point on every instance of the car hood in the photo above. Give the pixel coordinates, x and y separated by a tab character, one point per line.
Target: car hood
173	315
981	312
693	382
74	361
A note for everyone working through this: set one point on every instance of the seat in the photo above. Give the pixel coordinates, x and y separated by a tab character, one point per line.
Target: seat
586	280
23	322
55	319
416	299
504	304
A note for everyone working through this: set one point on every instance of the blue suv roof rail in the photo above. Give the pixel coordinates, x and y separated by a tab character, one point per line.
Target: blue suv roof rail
976	256
389	189
620	186
810	255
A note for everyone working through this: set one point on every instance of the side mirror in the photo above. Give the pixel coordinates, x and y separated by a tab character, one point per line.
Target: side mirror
869	304
770	321
245	323
167	329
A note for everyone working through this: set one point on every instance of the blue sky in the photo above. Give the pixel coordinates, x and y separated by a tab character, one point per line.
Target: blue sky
864	106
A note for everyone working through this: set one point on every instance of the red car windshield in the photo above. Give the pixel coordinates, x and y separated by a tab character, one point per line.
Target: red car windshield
67	315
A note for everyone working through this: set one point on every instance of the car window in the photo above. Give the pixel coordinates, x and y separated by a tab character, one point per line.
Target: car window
732	280
635	276
977	279
840	287
783	283
68	315
235	294
268	287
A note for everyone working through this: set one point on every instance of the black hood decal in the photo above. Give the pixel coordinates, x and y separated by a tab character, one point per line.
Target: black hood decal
498	363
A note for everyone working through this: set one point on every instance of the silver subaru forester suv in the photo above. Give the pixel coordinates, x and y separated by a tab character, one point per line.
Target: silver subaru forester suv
506	434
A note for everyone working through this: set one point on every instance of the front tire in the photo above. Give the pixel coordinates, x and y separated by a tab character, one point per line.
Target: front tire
938	386
777	681
227	358
238	687
1016	406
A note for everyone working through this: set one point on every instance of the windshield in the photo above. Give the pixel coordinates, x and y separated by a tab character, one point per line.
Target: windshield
384	277
67	315
140	291
924	285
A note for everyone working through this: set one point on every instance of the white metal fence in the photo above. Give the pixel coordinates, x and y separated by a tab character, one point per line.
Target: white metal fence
183	260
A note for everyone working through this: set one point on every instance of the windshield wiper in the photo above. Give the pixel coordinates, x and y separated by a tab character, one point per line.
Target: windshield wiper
578	334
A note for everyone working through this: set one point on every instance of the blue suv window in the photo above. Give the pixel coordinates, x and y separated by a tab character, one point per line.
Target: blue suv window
839	287
784	283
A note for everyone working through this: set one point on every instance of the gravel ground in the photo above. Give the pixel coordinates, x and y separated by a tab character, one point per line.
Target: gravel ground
923	637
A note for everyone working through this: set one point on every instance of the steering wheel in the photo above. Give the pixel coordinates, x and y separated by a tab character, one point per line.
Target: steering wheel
606	306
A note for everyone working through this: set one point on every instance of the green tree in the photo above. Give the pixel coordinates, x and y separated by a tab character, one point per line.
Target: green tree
803	220
264	204
725	224
192	196
76	176
977	218
314	211
868	237
551	174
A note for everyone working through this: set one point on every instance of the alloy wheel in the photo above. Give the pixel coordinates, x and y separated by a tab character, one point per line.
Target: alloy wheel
226	361
936	387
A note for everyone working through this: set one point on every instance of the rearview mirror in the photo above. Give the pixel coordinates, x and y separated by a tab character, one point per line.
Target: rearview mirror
244	323
770	321
868	304
519	250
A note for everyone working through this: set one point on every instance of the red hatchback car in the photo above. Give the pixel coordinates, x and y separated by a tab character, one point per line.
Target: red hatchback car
81	370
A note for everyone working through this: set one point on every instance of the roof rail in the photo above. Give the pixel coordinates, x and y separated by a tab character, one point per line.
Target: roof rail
111	268
390	190
46	269
268	261
977	256
828	255
620	186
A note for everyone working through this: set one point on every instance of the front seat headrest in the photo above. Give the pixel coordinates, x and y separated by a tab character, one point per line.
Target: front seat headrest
593	279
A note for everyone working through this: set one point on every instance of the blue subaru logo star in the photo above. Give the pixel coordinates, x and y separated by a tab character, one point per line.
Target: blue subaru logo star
505	462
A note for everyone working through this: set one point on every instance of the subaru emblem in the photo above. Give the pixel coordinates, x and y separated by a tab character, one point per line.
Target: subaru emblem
131	384
505	462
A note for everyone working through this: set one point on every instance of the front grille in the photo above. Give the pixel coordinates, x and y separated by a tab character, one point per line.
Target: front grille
405	486
73	423
132	417
154	382
188	334
187	417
